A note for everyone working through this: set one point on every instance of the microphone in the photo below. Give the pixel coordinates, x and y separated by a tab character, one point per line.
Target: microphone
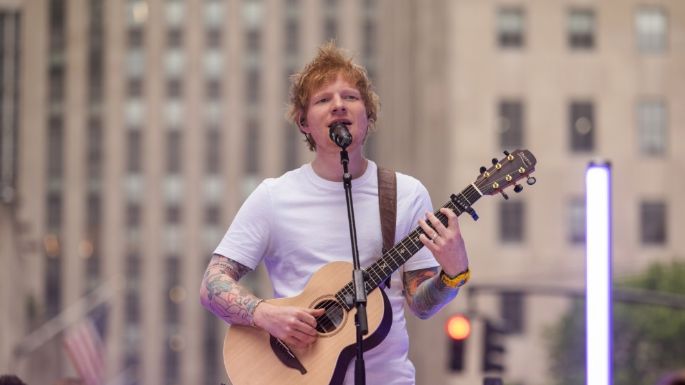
340	135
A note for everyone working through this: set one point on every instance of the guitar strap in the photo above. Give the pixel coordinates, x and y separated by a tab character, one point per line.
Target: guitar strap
387	202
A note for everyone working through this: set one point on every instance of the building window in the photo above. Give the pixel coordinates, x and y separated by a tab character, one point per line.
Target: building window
133	271
135	37
252	148
512	308
55	153
135	63
214	13
133	215
511	27
56	83
576	220
213	38
653	222
132	307
94	214
213	89
134	88
212	215
173	214
253	84
292	36
172	362
53	286
652	127
330	28
511	223
94	150
175	13
582	126
213	151
174	38
174	88
511	124
651	28
135	112
53	212
137	12
213	64
581	28
369	43
211	348
57	24
173	152
253	40
174	63
173	114
134	161
293	141
252	14
95	75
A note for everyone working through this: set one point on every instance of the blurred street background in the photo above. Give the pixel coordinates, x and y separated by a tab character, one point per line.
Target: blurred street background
132	130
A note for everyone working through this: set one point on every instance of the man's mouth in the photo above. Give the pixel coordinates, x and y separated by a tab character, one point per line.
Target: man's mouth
343	121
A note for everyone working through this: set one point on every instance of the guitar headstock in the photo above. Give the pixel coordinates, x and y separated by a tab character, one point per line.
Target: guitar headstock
506	172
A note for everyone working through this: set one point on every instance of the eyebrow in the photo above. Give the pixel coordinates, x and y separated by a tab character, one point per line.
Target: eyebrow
322	93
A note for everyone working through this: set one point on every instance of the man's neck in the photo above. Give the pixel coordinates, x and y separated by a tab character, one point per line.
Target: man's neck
330	168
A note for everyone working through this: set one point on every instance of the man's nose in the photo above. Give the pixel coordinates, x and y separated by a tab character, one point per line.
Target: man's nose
338	104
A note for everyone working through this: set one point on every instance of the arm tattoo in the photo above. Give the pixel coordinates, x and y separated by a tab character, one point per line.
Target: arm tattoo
223	296
425	292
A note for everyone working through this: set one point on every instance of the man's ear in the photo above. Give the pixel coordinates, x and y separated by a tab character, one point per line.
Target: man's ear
303	123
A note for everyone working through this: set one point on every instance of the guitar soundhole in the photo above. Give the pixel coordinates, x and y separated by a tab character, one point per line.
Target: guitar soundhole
332	318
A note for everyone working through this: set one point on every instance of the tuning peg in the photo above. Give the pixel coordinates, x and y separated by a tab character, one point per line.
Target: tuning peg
506	153
494	161
518	188
506	197
483	169
531	180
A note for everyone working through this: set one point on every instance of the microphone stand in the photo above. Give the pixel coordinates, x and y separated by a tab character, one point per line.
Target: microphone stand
360	319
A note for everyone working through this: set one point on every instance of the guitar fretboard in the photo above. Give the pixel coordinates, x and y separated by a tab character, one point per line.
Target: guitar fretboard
392	259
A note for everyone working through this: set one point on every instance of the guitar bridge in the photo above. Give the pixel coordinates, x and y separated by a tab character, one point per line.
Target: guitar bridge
285	355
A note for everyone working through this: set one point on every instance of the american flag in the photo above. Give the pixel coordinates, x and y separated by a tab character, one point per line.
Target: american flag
86	351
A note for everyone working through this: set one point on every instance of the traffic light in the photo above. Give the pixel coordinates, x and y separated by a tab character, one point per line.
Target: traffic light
458	329
493	348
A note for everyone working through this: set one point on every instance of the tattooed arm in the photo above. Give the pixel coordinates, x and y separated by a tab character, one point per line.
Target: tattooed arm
227	299
425	293
223	295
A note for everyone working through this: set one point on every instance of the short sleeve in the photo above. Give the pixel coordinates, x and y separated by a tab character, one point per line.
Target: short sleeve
247	237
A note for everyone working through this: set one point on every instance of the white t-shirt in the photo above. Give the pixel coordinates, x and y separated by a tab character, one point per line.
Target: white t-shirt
298	222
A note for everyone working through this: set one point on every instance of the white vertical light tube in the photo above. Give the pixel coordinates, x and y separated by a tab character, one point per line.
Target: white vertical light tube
598	280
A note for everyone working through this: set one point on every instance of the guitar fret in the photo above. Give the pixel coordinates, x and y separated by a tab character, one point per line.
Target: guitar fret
477	189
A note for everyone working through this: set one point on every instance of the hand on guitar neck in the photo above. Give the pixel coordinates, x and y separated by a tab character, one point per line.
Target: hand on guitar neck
295	326
445	242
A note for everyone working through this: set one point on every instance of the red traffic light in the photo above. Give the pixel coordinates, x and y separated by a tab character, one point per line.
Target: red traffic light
458	327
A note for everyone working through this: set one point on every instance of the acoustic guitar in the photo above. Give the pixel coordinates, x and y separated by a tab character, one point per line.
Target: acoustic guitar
253	357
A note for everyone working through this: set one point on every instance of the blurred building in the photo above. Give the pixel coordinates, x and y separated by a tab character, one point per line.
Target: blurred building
573	81
10	84
144	124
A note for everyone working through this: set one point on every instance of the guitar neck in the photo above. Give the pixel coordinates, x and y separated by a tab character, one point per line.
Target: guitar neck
394	258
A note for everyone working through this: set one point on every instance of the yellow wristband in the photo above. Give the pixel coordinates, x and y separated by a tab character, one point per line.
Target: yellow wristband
457	281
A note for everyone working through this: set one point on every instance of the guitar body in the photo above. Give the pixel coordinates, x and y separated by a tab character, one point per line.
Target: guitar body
253	357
